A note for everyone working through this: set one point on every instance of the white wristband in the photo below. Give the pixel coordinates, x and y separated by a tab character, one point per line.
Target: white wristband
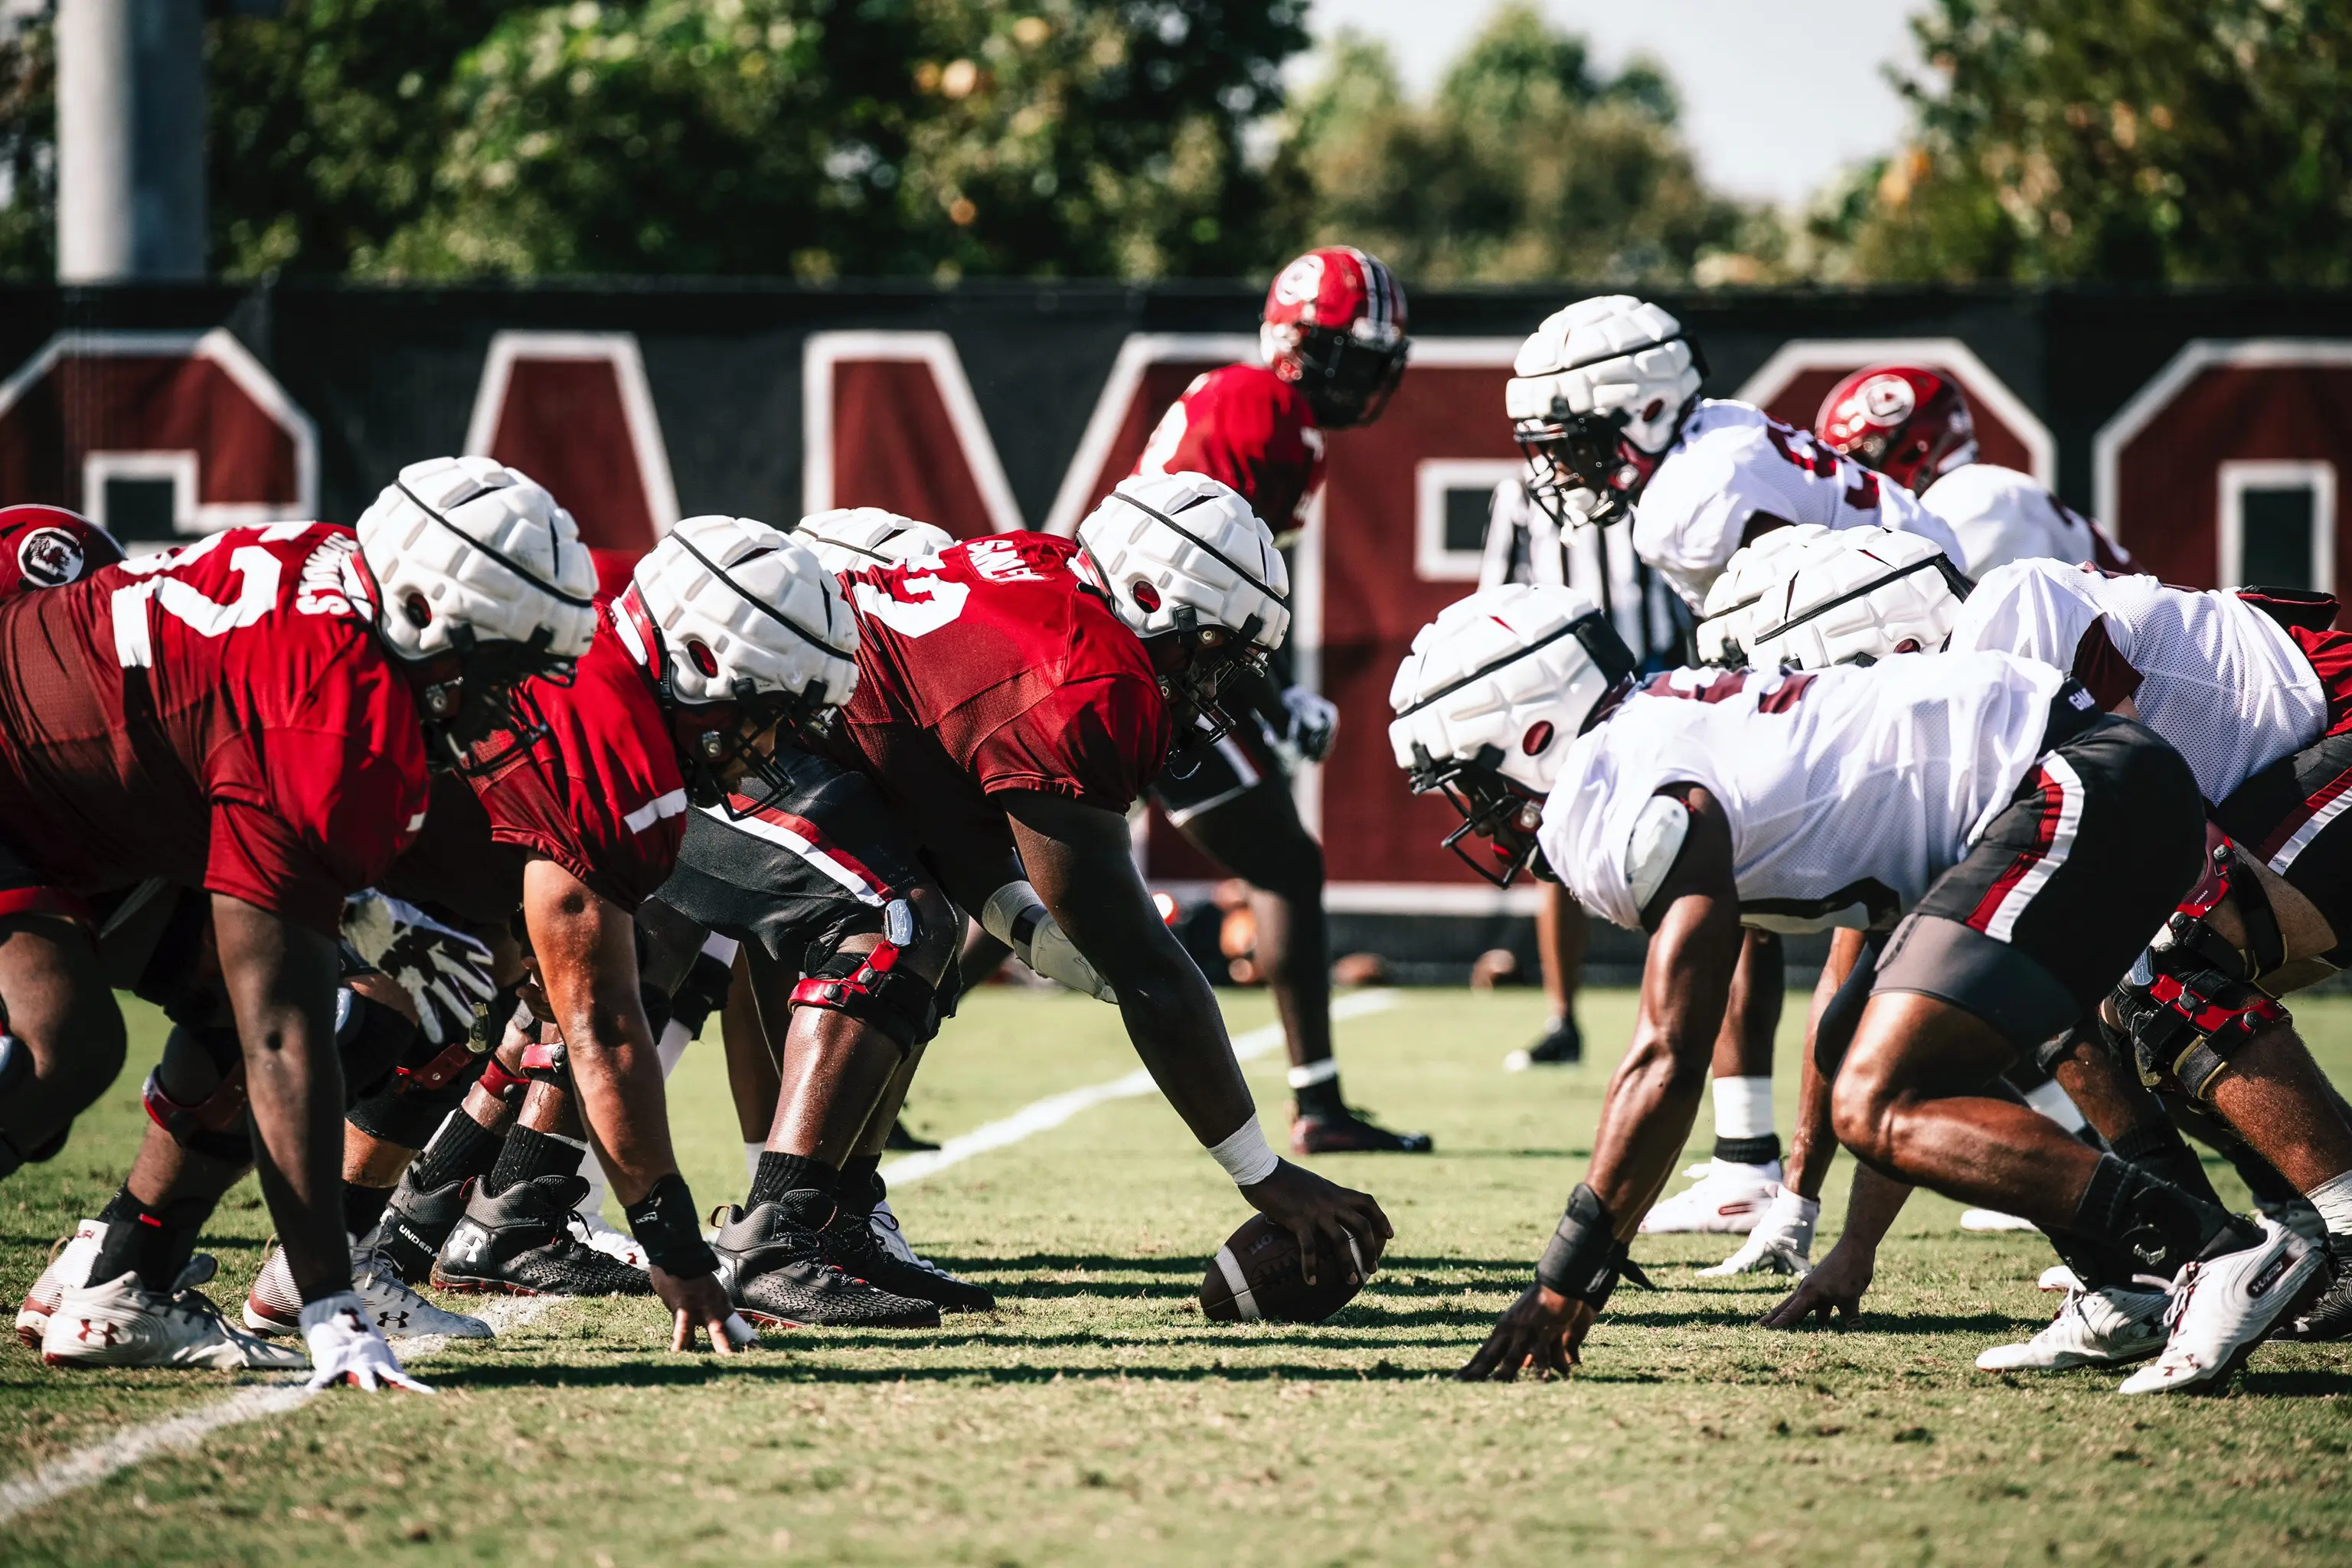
1245	1155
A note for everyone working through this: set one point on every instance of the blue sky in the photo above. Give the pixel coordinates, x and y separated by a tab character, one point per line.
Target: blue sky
1777	94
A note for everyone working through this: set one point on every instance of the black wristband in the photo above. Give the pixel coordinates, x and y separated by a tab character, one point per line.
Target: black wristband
1584	1257
662	1221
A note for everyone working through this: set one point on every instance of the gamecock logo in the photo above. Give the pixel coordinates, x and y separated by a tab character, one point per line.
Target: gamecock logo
49	558
1886	400
1300	281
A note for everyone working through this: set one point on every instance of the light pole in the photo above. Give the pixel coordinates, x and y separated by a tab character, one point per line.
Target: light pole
131	140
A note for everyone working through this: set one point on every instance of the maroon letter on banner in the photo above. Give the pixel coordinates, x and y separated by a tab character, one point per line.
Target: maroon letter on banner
890	422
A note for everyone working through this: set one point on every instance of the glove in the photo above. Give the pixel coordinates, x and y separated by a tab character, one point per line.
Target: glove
1314	722
444	971
1015	916
1782	1243
344	1346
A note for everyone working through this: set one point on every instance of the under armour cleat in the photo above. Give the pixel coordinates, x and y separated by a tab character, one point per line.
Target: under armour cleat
70	1260
1349	1133
851	1245
2328	1318
520	1241
416	1221
1561	1046
771	1259
1992	1222
2223	1307
2092	1328
275	1307
118	1323
1727	1200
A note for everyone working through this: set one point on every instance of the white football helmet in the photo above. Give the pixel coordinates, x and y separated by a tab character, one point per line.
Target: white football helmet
1858	595
852	538
1488	702
1597	394
1722	634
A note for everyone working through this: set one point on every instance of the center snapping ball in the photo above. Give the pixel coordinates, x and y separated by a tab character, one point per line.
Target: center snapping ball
1254	1278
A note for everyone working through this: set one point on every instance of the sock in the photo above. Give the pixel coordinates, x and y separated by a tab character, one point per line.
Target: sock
1743	1121
2162	1227
751	1152
362	1206
530	1155
2157	1147
2333	1199
592	1169
860	1186
1316	1087
155	1244
782	1173
2056	1104
672	1045
462	1148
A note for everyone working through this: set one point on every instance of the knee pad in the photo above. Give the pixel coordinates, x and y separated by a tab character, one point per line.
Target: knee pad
702	992
547	1061
374	1042
2189	1001
509	1086
212	1124
874	989
423	1089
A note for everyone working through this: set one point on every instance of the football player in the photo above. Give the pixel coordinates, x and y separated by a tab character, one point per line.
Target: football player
1912	425
250	715
2025	841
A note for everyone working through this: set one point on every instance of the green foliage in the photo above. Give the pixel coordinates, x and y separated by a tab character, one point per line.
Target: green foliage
2121	139
28	174
1529	163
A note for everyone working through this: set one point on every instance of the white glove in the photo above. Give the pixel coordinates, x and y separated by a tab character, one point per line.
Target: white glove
1314	722
344	1345
1782	1243
1015	916
444	971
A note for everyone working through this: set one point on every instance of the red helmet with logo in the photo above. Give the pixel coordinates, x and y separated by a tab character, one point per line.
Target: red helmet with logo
48	547
1334	325
1909	422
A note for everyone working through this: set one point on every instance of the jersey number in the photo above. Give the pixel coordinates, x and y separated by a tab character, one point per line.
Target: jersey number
258	574
1807	453
941	603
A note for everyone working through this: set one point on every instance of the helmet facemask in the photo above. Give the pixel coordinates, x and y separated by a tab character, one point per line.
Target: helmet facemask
1206	660
1345	379
720	745
1493	806
483	695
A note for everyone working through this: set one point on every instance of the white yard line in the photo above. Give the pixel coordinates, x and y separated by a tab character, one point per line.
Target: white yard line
1042	1115
86	1467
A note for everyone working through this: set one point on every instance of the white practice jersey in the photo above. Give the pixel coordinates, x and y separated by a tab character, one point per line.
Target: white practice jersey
2000	515
1849	790
1525	545
2219	679
1733	470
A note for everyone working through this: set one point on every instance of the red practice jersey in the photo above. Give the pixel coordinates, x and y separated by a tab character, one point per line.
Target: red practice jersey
597	788
1249	429
221	716
992	667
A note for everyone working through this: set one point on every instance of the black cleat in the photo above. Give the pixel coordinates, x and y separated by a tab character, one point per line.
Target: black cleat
2329	1316
414	1223
521	1242
1349	1134
1561	1046
903	1141
852	1247
773	1259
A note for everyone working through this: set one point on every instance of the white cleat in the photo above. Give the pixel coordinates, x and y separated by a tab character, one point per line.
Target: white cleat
2092	1328
2058	1277
70	1261
884	1224
274	1306
2222	1309
1728	1200
1782	1243
616	1244
117	1323
1992	1221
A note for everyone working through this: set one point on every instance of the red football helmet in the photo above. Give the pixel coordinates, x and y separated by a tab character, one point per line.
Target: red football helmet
48	547
1334	325
1909	422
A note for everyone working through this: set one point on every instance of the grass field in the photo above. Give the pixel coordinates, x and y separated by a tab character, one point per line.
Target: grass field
1096	1417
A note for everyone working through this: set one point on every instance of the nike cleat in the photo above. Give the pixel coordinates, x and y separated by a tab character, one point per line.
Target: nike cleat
520	1242
771	1259
2092	1328
118	1323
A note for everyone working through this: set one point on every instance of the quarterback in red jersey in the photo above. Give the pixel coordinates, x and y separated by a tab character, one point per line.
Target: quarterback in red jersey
249	715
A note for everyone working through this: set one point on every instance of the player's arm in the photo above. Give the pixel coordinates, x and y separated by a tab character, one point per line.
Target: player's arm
1645	1119
1080	861
587	954
1837	1285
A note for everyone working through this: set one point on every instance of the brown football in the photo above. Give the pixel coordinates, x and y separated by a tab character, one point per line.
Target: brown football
1254	1278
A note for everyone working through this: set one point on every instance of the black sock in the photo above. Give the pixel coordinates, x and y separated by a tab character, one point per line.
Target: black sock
362	1206
155	1244
530	1155
462	1148
2159	1224
1760	1150
860	1186
782	1173
1321	1099
2158	1147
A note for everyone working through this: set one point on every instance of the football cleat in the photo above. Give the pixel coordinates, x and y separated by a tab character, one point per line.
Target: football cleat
1728	1200
1349	1133
275	1307
1992	1222
2222	1308
592	1228
1562	1045
415	1222
851	1245
904	1140
71	1260
520	1241
118	1323
2092	1328
2058	1277
2329	1317
771	1259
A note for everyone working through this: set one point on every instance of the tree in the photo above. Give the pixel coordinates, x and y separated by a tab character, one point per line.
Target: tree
1528	163
2118	139
28	154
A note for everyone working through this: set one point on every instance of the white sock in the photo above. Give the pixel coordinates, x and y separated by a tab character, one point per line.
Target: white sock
2056	1104
2333	1199
593	1168
1743	1107
751	1152
672	1045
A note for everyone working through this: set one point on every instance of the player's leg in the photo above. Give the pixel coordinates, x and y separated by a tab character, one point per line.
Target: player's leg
753	1078
1742	1176
62	1041
1560	935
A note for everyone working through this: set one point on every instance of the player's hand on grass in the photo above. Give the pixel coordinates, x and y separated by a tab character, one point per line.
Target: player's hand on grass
1835	1286
699	1302
1324	1215
346	1348
1543	1331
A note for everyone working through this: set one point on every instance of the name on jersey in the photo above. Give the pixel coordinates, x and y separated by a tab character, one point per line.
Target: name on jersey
330	583
998	561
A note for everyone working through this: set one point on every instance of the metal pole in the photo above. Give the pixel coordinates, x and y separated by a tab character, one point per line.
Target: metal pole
130	140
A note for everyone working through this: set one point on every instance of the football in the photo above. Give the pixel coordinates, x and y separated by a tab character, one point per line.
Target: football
1254	1278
